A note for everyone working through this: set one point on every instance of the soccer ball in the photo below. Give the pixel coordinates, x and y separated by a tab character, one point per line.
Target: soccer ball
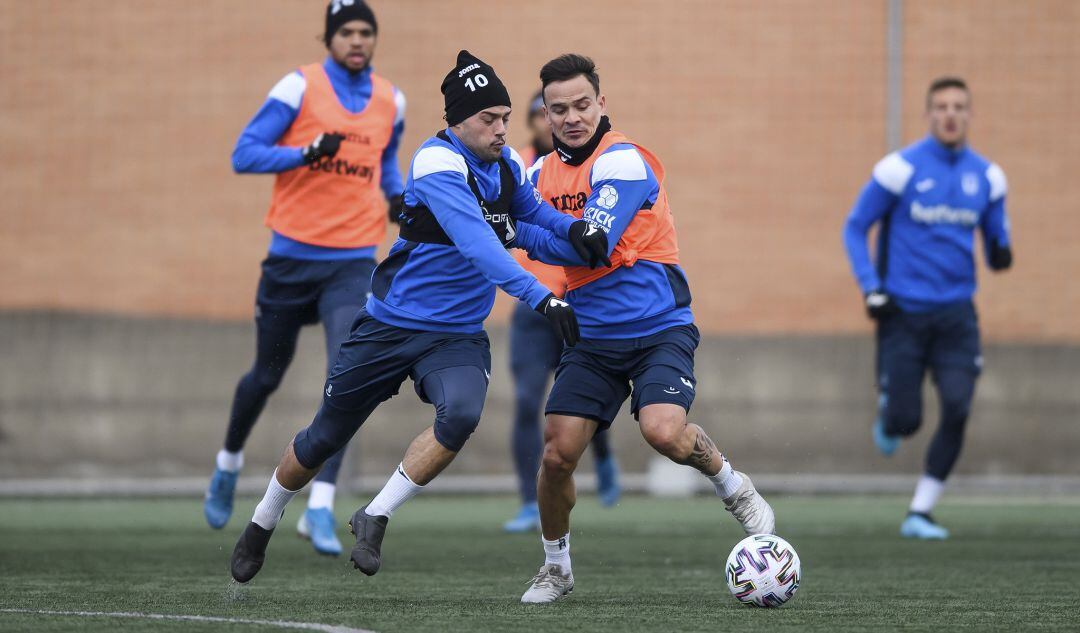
607	197
763	570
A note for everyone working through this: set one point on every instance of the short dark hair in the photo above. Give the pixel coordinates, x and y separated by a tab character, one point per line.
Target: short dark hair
568	66
941	83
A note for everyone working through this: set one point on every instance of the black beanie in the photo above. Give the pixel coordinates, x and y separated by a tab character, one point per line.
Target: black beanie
471	87
339	12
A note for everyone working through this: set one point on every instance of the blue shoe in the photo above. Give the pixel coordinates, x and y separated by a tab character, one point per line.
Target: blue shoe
885	443
921	526
527	520
318	525
607	481
219	498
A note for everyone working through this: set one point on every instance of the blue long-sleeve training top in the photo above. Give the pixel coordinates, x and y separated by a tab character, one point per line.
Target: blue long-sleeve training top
257	151
928	199
451	288
629	302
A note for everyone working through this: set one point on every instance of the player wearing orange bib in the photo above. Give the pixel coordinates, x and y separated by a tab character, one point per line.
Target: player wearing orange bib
637	331
534	353
330	131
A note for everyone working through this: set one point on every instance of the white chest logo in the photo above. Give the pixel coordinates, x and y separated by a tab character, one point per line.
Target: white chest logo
924	185
607	197
970	183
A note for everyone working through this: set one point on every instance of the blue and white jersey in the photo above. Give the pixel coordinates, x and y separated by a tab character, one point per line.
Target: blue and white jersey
257	151
632	301
928	199
451	288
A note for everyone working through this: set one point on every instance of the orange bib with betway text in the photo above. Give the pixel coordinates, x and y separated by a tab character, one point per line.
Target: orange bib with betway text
650	235
337	201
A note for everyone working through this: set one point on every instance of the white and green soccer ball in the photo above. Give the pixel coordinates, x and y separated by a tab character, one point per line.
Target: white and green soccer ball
763	570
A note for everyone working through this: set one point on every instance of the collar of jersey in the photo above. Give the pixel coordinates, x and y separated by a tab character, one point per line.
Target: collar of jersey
485	172
577	155
340	75
942	151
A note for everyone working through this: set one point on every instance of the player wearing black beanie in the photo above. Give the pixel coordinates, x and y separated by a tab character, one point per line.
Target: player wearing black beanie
470	87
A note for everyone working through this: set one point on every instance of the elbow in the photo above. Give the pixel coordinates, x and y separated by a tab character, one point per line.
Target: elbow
240	163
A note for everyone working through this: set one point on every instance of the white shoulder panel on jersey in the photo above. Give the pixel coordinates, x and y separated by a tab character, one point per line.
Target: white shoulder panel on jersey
893	173
998	185
399	101
290	90
436	158
620	164
514	156
531	174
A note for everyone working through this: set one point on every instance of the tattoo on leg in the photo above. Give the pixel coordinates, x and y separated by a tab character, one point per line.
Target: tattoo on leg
701	457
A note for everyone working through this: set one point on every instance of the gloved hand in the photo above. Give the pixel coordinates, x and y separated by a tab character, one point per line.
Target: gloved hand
590	243
395	206
562	318
325	145
1000	257
880	305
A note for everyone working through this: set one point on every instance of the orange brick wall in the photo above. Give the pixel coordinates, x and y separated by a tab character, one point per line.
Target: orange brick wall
119	118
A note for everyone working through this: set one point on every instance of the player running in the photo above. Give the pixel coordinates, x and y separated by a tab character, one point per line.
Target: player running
534	353
330	132
928	199
636	325
424	318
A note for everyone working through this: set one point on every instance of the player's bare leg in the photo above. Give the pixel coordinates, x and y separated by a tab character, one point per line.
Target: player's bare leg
565	439
423	461
665	428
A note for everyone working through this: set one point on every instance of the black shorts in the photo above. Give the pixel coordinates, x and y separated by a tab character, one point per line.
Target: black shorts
595	376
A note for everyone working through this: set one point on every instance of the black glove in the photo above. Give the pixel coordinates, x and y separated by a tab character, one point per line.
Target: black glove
1000	257
590	243
324	145
562	318
395	207
880	305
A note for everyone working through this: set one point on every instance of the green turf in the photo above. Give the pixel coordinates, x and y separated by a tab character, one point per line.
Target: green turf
646	565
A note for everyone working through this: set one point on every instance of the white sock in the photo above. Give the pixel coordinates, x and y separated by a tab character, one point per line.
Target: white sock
557	552
268	512
727	481
398	489
230	462
322	496
927	493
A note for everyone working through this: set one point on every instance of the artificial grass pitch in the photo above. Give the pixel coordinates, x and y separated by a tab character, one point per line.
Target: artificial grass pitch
645	565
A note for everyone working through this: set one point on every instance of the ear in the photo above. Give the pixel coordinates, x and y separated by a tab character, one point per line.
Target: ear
602	102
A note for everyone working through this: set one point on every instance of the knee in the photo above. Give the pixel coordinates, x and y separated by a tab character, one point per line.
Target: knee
665	433
266	378
903	416
456	420
955	412
557	463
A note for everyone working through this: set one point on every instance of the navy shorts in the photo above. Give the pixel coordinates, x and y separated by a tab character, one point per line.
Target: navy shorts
303	289
595	376
909	343
370	368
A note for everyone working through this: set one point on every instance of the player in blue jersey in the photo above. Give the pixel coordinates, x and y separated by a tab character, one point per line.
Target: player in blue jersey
325	226
638	333
534	354
424	319
928	199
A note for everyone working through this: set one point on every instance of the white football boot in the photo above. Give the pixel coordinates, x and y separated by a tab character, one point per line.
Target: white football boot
750	509
548	585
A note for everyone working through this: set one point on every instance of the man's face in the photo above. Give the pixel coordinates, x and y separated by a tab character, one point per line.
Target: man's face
573	110
948	112
353	45
484	133
541	131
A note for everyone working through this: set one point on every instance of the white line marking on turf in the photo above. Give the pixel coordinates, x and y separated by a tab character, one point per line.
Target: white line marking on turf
281	624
